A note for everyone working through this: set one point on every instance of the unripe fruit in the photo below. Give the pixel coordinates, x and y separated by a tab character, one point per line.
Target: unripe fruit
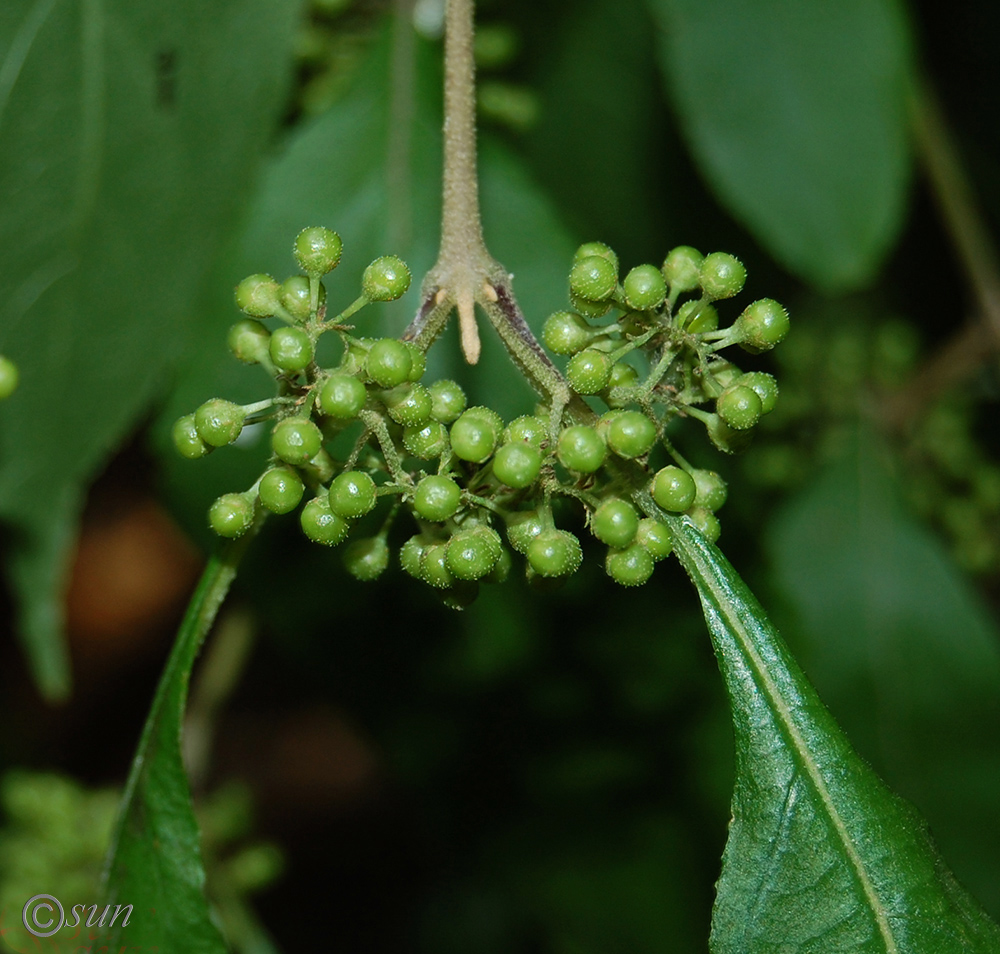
711	489
296	297
517	464
766	387
410	553
654	538
682	269
296	441
522	528
434	567
367	559
342	397
555	553
249	341
739	407
418	361
697	317
761	326
724	373
472	553
409	404
721	276
257	295
674	489
426	442
386	279
528	428
632	566
187	440
447	401
231	515
321	525
644	287
388	362
565	332
589	309
631	434
581	448
437	498
623	375
727	439
596	248
705	522
317	250
615	522
589	371
357	352
290	349
9	377
501	570
473	437
219	422
280	489
352	494
593	278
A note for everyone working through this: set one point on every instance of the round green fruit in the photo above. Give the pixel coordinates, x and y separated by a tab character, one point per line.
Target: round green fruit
654	538
296	297
623	375
437	498
632	566
290	349
296	441
231	515
674	489
321	525
711	489
352	494
615	522
434	566
644	288
697	317
447	401
765	385
388	362
473	437
522	527
258	296
219	422
410	553
367	559
281	489
409	404
386	279
631	434
682	269
554	553
187	440
426	442
581	448
342	397
317	250
761	326
517	464
527	428
739	406
566	332
589	249
471	554
721	276
706	523
249	341
593	278
589	371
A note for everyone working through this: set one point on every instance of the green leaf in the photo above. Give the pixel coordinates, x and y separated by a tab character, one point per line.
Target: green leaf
154	862
129	134
796	113
821	856
902	649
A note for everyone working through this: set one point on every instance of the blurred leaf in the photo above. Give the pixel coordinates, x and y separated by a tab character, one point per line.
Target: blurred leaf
902	649
796	113
821	855
129	134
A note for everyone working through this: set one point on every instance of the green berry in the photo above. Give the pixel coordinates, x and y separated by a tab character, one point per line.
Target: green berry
320	468
581	448
473	437
447	401
426	442
342	397
554	553
721	275
281	489
589	371
290	349
352	494
296	441
674	489
388	362
724	373
231	515
517	464
644	287
258	295
589	309
501	569
711	489
654	538
437	498
697	317
705	522
623	375
187	440
522	528
472	553
593	278
409	404
386	279
615	522
249	340
488	415
528	428
682	269
596	248
296	297
632	566
367	559
727	439
317	250
410	553
766	387
321	525
631	434
761	326
739	406
9	377
357	352
434	566
418	362
219	422
565	332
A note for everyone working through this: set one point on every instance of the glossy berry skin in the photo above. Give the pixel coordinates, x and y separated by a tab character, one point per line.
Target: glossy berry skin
517	464
281	489
409	404
367	559
721	276
501	570
581	448
426	442
599	249
290	349
623	375
321	525
697	317
527	428
739	406
434	566
258	296
644	287
219	422
249	341
448	401
522	528
762	325
631	434
674	489
410	553
342	397
437	498
711	489
554	553
296	299
231	515
727	439
296	441
766	387
317	250
589	371
386	279
593	278
187	440
418	362
352	494
631	566
473	437
589	309
388	362
654	538
472	553
705	522
566	332
682	269
615	522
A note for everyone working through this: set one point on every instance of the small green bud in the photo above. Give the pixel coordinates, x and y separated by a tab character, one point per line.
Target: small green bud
386	279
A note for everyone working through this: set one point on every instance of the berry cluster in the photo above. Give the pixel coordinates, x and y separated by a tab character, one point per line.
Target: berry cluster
462	472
